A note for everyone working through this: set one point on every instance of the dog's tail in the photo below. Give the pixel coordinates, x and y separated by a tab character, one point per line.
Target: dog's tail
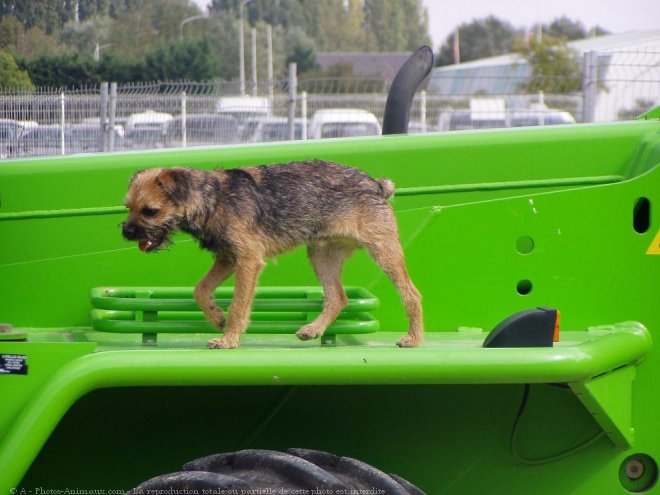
386	187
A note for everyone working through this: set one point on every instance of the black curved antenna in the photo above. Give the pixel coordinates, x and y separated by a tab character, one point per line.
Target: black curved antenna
406	81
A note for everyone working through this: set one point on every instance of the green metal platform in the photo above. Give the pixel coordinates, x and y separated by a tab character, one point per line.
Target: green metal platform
491	222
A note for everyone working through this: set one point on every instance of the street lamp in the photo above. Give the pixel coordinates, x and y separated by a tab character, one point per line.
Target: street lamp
241	47
186	21
97	51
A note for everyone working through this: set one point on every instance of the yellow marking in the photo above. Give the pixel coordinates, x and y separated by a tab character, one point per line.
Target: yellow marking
654	248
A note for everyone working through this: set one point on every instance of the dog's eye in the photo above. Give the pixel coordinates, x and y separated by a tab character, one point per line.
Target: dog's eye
149	212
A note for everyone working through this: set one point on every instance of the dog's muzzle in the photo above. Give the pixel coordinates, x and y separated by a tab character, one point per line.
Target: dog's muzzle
146	242
131	231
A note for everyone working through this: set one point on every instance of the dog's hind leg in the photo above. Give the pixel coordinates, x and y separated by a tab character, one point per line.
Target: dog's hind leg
383	245
247	273
220	271
327	258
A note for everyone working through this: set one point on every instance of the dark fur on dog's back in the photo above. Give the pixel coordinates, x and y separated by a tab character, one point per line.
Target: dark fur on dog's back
292	202
245	214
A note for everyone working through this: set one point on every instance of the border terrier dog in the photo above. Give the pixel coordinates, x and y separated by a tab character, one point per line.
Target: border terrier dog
244	215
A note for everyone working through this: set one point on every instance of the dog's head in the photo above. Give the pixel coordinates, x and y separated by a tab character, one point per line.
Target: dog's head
156	201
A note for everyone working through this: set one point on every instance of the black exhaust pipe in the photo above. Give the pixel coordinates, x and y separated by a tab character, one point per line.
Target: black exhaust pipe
404	86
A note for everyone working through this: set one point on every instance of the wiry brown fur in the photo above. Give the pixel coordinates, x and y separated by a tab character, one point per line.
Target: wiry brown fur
246	214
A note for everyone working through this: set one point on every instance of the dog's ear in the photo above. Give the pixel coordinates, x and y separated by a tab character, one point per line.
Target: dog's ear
134	176
176	182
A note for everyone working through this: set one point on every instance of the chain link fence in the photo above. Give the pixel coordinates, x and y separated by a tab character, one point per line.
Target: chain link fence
54	121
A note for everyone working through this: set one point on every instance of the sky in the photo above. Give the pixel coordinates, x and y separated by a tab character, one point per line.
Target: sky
617	16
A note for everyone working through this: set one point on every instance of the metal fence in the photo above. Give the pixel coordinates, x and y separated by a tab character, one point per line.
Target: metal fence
47	121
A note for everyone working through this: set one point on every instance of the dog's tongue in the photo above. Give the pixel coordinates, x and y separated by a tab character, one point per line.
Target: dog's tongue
144	245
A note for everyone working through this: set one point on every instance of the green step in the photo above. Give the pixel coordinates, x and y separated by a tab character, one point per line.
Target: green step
275	310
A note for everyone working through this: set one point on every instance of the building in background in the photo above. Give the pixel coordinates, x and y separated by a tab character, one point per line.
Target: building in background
621	76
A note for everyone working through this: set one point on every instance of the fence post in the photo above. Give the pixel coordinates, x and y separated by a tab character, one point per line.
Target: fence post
103	118
422	110
184	118
303	112
541	101
62	123
254	62
112	116
589	86
293	87
271	90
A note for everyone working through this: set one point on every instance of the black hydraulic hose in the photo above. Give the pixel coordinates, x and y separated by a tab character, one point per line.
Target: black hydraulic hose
406	81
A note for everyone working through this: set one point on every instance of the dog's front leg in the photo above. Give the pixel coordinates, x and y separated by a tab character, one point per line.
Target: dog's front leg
220	271
247	273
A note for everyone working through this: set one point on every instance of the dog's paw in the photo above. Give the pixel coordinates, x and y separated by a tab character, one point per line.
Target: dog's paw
309	332
223	343
217	318
408	341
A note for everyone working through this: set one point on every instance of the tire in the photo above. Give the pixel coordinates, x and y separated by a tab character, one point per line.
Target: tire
302	471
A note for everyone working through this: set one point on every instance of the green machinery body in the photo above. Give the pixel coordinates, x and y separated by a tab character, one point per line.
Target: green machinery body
491	222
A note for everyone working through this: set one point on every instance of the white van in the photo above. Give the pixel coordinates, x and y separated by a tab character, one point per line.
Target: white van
343	122
243	107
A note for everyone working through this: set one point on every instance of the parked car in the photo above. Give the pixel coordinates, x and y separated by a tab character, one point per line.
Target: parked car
202	129
340	122
144	138
246	110
9	130
148	120
88	137
275	129
43	140
459	120
540	117
146	130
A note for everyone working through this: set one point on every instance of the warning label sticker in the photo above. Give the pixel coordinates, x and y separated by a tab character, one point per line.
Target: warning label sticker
13	364
654	248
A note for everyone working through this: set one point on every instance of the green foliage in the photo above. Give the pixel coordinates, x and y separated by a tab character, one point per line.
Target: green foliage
66	70
555	67
181	60
10	75
301	50
48	15
27	43
479	39
342	25
82	37
491	36
569	30
114	67
55	40
397	25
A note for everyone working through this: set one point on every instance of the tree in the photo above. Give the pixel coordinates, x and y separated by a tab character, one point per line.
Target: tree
567	29
181	60
91	9
30	43
555	67
397	25
301	50
66	70
342	25
116	68
10	75
339	29
48	15
479	39
82	37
